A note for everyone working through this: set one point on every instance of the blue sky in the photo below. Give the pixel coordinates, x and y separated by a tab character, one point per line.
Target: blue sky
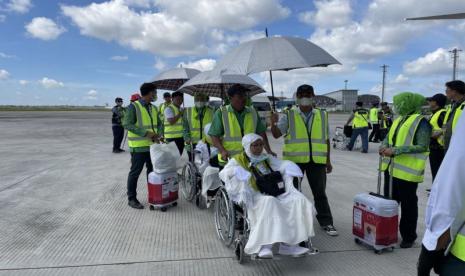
89	52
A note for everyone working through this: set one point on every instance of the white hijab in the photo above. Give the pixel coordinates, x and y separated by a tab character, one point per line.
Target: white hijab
247	140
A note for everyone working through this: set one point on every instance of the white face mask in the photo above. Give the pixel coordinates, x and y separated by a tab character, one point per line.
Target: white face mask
200	104
305	101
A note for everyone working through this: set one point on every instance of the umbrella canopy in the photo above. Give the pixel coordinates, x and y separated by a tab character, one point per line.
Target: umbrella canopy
173	79
274	53
215	84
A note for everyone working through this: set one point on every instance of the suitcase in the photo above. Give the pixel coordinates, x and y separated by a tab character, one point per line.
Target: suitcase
162	190
376	218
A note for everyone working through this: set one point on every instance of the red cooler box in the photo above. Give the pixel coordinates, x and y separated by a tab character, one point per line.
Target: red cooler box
375	221
163	190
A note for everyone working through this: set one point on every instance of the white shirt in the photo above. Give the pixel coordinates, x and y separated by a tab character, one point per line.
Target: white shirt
446	204
168	112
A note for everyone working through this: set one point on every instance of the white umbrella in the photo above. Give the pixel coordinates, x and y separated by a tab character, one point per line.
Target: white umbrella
273	54
173	79
215	84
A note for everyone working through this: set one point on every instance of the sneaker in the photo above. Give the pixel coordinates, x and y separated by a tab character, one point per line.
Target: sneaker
405	244
134	203
121	150
292	250
330	230
265	252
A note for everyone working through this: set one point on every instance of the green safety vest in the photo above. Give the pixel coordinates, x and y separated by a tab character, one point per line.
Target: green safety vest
146	121
458	247
435	125
360	118
196	127
244	162
162	110
232	139
374	115
457	114
407	166
175	130
301	144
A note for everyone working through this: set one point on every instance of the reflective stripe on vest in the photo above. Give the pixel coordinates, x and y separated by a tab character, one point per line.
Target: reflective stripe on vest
297	141
145	121
360	120
232	140
457	114
374	115
195	127
408	167
435	125
458	247
173	130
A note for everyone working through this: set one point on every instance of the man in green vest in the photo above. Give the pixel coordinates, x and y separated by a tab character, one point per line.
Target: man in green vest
436	145
359	119
195	120
144	128
173	121
306	143
161	108
455	91
230	123
405	151
374	135
445	214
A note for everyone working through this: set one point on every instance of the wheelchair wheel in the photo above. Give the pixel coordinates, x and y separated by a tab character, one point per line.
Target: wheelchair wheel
189	181
239	252
224	217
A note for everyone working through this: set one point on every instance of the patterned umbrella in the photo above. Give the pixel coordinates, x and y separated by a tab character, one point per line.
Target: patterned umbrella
215	84
174	78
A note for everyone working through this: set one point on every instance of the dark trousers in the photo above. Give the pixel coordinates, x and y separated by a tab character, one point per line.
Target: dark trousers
383	133
452	266
436	156
429	260
405	193
374	133
363	132
118	134
316	176
138	159
179	143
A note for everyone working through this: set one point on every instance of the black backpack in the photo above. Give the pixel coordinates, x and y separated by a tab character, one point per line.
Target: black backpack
270	184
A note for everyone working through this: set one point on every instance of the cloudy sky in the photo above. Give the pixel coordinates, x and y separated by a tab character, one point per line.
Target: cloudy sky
88	52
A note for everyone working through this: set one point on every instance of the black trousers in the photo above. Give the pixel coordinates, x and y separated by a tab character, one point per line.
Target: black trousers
138	159
429	260
316	176
118	135
179	143
452	266
405	193
436	155
374	133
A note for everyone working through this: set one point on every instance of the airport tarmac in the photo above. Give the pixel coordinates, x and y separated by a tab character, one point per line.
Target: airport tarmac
63	211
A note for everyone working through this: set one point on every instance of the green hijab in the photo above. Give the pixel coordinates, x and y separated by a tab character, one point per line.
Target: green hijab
407	103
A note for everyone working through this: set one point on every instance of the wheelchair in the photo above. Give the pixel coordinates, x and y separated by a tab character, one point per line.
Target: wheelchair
341	140
191	179
233	226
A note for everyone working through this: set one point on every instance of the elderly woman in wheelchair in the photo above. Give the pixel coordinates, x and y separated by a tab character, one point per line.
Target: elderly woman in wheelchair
273	211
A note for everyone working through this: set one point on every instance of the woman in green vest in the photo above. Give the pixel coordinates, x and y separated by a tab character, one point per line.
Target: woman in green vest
406	150
286	218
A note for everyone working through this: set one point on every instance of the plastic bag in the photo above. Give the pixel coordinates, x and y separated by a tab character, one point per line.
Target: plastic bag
165	157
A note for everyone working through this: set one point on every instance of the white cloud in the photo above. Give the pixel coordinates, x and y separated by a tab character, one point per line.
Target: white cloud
436	62
119	58
3	55
159	65
44	28
4	74
91	95
329	14
401	79
23	82
177	28
19	6
51	83
201	64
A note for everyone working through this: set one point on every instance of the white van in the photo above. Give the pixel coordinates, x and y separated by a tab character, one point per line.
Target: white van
262	105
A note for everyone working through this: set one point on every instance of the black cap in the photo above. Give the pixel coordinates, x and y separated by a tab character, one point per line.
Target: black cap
305	88
237	89
166	95
440	99
118	100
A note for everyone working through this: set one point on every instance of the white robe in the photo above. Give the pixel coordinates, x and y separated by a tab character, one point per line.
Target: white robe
287	218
